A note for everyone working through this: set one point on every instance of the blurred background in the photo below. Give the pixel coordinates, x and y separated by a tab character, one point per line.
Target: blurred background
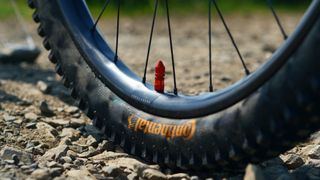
180	6
250	21
185	6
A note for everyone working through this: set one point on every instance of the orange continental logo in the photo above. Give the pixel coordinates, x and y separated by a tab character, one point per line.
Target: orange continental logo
185	130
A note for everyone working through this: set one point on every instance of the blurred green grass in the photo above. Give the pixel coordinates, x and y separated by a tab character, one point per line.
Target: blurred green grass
178	7
6	9
198	7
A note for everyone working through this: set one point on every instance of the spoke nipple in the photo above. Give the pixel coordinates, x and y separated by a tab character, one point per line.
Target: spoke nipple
247	72
144	79
175	91
211	88
160	71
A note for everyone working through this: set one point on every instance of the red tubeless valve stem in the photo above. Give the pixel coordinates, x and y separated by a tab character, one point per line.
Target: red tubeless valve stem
160	71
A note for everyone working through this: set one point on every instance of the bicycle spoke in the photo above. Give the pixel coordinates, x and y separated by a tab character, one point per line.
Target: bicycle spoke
210	49
100	14
231	37
150	41
270	4
118	28
171	48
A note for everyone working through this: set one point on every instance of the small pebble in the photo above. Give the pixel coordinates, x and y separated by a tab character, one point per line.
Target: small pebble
40	174
43	87
31	125
45	110
31	116
68	166
66	159
7	117
71	109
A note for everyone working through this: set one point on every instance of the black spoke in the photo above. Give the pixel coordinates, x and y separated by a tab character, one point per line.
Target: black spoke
100	14
150	41
118	29
171	48
210	49
270	4
231	37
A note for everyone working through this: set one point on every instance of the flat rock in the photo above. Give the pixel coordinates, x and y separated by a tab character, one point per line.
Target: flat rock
314	152
40	174
56	122
71	109
139	167
91	152
18	121
107	155
47	129
91	141
305	150
8	152
112	170
9	118
133	176
178	176
86	141
77	122
292	161
82	174
153	174
71	133
55	153
31	116
76	115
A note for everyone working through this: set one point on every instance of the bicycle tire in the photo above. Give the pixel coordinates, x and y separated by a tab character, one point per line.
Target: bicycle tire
128	86
261	126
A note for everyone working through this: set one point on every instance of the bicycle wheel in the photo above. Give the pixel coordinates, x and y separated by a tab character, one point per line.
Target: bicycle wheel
258	112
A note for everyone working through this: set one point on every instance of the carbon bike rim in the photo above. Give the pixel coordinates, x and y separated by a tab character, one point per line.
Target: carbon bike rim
128	86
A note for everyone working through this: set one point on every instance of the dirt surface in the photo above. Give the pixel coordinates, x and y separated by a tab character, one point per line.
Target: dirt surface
43	136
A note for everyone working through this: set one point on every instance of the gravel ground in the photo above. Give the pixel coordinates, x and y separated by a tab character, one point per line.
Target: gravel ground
43	136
